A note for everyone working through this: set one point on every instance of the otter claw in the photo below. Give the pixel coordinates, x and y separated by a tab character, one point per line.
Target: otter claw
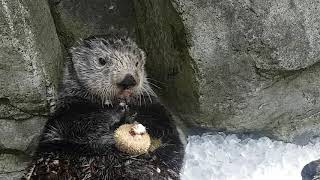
123	107
122	104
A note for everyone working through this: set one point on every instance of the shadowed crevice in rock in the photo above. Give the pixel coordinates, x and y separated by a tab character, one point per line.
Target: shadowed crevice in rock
13	152
161	33
66	37
14	112
4	101
75	19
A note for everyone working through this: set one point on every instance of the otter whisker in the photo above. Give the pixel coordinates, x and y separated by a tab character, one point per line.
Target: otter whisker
154	85
140	97
149	89
144	100
145	90
149	78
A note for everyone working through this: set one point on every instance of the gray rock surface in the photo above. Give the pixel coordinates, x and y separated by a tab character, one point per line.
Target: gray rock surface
172	72
311	171
240	65
77	19
12	164
30	65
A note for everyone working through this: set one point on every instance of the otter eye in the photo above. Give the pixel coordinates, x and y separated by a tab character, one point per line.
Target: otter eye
102	61
137	63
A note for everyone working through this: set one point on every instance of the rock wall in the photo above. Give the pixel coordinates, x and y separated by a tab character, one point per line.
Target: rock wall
76	19
244	66
172	71
30	64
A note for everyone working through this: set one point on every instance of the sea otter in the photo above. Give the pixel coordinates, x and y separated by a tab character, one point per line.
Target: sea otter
105	86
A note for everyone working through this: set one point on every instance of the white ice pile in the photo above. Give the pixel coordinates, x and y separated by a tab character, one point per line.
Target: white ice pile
226	157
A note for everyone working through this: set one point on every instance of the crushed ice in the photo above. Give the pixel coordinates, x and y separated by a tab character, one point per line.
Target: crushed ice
227	157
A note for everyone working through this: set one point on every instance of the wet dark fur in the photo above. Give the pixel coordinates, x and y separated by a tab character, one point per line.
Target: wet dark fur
77	143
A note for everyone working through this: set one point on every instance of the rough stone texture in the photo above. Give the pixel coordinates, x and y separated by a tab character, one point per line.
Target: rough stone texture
160	32
30	66
19	134
77	19
12	166
244	66
11	176
311	171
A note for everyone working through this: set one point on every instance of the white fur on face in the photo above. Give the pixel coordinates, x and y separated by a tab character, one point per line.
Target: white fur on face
121	57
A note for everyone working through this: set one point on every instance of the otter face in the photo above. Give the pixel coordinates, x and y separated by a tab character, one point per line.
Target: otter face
111	69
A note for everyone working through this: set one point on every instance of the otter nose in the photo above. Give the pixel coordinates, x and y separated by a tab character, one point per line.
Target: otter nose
127	82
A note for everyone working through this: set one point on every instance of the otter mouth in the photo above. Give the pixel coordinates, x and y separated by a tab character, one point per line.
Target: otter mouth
125	95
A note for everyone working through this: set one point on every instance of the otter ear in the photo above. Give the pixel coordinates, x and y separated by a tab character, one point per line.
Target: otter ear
78	53
86	43
74	51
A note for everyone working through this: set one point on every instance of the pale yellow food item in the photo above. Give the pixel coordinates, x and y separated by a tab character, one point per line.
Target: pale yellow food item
132	139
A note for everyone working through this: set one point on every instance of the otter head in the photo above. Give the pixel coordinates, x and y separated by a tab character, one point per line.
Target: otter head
111	69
